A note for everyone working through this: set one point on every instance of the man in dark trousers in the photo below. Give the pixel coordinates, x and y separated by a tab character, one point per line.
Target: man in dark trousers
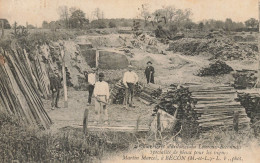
149	73
55	86
91	81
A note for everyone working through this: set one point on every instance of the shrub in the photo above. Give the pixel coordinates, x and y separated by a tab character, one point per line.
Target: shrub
173	28
112	25
98	24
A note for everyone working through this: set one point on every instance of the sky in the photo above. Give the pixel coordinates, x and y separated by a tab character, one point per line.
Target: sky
35	11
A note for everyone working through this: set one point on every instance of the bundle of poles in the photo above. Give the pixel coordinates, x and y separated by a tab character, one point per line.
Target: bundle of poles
19	87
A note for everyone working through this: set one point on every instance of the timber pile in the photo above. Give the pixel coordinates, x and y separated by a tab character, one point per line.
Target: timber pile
217	106
118	93
217	68
245	79
145	94
150	95
19	93
251	102
180	100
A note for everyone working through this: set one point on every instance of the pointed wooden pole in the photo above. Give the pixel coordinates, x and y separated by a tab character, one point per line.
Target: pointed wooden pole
257	85
64	77
3	28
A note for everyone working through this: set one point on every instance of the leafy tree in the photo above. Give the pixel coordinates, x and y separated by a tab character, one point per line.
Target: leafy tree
64	15
98	14
201	26
228	24
112	24
145	14
189	25
6	24
98	24
45	24
251	23
77	19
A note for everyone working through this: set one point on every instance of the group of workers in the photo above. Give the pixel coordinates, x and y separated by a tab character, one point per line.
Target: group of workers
100	89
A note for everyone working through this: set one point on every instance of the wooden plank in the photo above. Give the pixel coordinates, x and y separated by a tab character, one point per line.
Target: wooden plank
117	128
212	99
212	92
228	104
218	118
211	115
224	101
217	110
228	122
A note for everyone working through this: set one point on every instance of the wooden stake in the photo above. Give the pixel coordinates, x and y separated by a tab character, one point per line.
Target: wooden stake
258	74
85	122
236	121
2	28
64	78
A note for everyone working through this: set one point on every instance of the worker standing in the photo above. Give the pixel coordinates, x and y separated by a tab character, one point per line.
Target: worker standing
55	86
101	94
130	79
91	81
149	73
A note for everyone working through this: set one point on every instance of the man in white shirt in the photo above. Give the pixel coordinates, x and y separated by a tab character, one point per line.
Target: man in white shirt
91	81
101	94
130	79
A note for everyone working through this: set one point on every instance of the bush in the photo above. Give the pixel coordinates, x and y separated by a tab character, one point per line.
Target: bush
173	28
112	25
98	24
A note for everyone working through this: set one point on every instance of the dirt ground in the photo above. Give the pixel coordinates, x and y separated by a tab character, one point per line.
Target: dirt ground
170	68
77	103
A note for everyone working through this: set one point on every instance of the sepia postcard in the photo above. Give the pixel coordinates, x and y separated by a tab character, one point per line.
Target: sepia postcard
129	81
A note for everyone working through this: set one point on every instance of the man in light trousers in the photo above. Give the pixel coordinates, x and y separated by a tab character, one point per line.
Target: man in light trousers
101	94
130	79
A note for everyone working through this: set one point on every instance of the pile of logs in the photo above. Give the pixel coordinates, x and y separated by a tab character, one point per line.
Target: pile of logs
180	100
19	93
145	94
251	102
217	68
150	95
217	106
245	79
118	93
201	108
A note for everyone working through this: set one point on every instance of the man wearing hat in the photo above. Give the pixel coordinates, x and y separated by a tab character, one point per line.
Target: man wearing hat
55	85
149	73
130	79
101	94
91	81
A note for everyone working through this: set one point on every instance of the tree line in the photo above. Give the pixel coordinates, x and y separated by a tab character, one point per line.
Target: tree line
172	18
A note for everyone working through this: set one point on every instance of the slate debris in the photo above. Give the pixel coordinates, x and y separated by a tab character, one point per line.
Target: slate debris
217	68
220	48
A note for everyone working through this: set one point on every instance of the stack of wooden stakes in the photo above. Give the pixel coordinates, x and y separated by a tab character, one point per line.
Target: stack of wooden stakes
19	93
150	94
216	106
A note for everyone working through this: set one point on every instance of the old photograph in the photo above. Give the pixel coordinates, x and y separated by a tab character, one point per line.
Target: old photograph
108	81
